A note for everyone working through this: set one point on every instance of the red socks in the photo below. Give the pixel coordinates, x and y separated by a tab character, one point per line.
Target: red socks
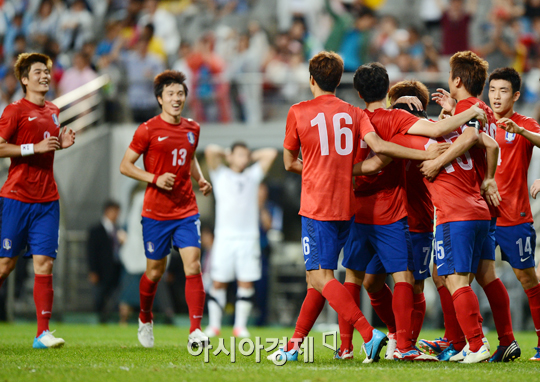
147	292
311	308
381	302
453	331
534	303
346	330
43	298
343	303
402	305
195	297
499	302
468	312
418	316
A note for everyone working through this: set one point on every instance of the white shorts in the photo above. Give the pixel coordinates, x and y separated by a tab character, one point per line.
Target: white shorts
236	259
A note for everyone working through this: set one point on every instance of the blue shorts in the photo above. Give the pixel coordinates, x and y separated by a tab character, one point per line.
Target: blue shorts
518	244
388	245
458	246
30	226
488	249
322	242
158	235
422	246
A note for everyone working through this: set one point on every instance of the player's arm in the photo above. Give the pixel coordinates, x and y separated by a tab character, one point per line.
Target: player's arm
66	138
464	142
443	98
489	186
372	165
510	126
380	146
535	188
265	157
128	168
215	155
447	125
292	162
9	150
204	186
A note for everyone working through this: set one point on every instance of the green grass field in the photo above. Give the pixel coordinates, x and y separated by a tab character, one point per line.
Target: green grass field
112	353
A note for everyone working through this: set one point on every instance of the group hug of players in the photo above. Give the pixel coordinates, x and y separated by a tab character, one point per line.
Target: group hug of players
471	166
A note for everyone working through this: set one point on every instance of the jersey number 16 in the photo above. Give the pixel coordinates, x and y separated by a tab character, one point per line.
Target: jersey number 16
339	131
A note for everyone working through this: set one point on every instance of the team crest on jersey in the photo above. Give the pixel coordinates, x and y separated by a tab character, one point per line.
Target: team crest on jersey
191	138
6	244
510	136
55	119
150	247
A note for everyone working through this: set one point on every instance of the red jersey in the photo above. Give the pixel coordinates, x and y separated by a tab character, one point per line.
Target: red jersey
168	148
329	131
382	198
479	155
30	178
420	210
515	157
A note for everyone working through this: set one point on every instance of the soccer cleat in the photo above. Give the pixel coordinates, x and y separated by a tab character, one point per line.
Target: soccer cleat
536	357
433	347
413	355
461	355
506	353
198	338
345	354
211	332
373	347
46	340
390	346
481	355
291	355
448	353
241	333
146	334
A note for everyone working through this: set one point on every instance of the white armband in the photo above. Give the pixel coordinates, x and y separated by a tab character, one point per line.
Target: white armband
27	149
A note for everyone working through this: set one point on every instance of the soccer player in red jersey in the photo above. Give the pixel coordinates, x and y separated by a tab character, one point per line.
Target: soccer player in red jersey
29	208
461	217
515	235
329	132
168	143
380	241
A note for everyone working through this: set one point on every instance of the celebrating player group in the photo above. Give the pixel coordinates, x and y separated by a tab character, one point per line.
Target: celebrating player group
374	180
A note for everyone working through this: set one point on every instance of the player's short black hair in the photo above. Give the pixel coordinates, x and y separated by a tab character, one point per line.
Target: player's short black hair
371	82
239	144
111	204
326	68
167	78
413	111
508	74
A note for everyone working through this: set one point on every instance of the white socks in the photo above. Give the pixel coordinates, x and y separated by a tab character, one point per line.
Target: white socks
243	306
216	306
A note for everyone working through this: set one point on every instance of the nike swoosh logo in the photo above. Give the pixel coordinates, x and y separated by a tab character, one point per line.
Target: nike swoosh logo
424	271
31	119
438	266
525	259
538	330
162	138
44	312
197	316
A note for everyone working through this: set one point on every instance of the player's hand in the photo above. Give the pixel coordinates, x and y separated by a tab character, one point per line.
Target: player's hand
480	114
436	150
166	181
510	126
66	139
442	97
535	188
490	192
429	169
412	101
204	186
47	145
93	277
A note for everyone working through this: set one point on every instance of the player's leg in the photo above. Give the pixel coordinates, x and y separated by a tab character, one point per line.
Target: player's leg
248	270
353	284
422	243
7	265
13	234
217	298
419	310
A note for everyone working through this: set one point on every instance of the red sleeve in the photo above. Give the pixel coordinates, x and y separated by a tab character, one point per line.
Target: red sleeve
8	122
364	123
411	141
404	120
140	141
292	142
464	105
533	126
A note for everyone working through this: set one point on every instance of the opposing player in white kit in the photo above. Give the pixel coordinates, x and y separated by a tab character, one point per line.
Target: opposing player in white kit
236	252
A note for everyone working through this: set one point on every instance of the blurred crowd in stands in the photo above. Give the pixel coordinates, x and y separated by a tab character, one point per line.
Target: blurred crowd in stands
240	54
